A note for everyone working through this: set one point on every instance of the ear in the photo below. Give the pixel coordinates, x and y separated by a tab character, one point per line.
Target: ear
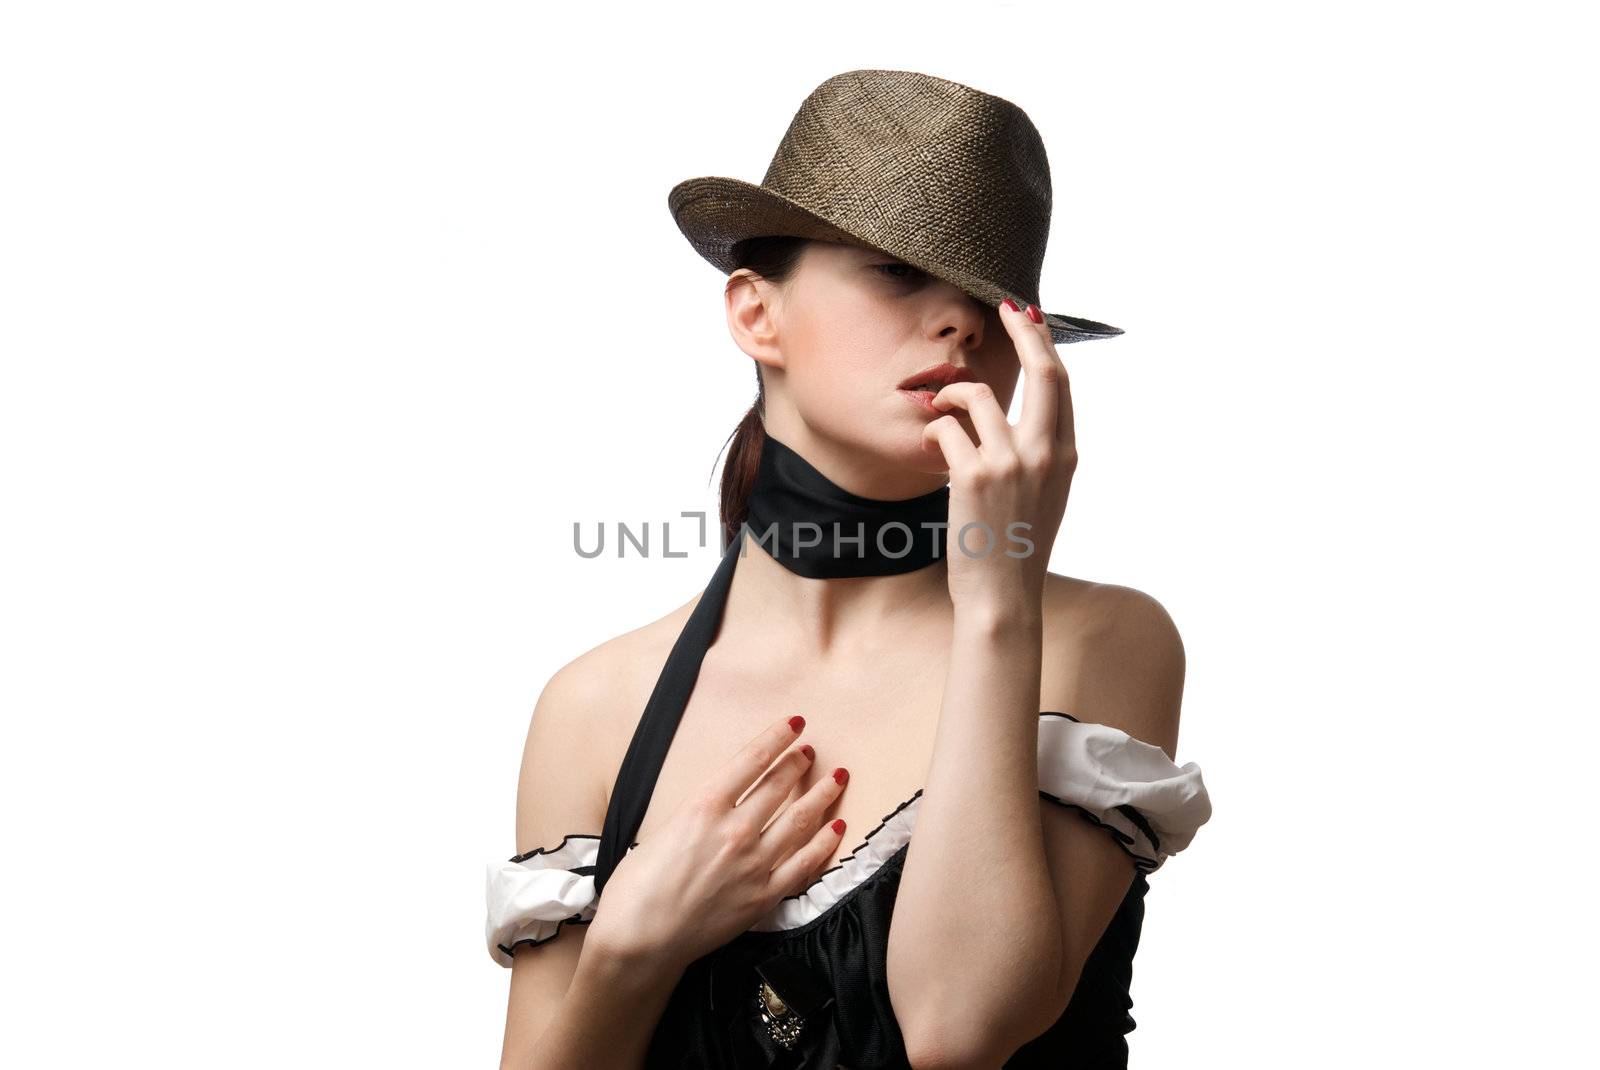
751	303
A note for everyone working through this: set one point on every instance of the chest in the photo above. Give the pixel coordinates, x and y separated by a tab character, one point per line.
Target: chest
875	714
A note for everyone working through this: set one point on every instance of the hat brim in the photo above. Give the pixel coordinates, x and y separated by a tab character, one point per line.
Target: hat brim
716	213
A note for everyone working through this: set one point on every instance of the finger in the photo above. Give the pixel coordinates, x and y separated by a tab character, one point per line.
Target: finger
946	436
1042	375
795	843
1034	343
994	431
757	808
792	875
734	779
1066	432
800	818
805	865
1066	429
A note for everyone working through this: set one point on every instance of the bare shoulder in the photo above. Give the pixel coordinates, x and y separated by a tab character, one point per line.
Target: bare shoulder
1113	655
606	682
1078	608
581	726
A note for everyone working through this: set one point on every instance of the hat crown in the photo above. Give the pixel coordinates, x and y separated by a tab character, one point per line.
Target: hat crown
930	169
942	176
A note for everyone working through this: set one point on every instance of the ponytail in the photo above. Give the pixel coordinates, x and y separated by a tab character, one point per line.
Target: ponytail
739	471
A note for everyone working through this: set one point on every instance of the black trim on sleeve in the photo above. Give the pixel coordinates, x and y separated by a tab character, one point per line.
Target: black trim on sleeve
552	850
1144	863
1140	823
576	919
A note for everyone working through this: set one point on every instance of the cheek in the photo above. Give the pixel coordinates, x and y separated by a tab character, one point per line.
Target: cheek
844	358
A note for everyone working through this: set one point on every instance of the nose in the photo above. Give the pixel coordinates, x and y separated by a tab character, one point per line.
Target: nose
958	314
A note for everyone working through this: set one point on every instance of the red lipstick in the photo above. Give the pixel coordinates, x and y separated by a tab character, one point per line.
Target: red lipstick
921	387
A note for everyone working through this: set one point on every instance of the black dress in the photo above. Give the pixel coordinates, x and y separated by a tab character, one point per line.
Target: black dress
807	987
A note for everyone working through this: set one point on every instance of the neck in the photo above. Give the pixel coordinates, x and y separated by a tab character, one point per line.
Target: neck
799	613
822	566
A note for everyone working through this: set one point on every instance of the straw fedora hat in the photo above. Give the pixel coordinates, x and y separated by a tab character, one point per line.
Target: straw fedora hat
949	179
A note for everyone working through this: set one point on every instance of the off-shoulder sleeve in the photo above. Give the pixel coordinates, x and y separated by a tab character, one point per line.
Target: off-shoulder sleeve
1148	803
530	896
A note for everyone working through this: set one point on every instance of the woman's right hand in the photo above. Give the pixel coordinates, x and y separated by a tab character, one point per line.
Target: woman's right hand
710	872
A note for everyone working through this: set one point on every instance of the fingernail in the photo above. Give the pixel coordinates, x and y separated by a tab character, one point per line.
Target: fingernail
1034	314
840	775
797	722
838	826
808	751
1012	305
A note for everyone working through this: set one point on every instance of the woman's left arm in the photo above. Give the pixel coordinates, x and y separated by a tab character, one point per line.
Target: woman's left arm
991	925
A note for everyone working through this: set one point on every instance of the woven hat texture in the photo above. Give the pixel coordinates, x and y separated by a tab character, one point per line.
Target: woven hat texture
952	180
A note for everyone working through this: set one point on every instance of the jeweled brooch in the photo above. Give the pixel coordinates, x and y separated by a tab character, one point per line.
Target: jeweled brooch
789	994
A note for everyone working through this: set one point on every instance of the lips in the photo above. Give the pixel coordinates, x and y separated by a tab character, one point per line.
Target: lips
935	377
921	388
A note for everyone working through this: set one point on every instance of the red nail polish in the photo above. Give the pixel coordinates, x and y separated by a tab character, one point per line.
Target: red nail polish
806	749
1012	305
1034	314
841	775
797	722
838	826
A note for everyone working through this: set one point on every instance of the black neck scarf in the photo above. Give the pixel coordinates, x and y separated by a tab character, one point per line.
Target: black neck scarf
816	528
811	526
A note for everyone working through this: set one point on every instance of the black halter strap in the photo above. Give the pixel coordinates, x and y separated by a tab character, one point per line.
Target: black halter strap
647	752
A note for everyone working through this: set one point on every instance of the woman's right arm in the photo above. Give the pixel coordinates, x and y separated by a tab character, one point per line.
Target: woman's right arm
570	997
570	1000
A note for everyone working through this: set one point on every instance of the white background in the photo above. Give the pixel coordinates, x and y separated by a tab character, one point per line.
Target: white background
322	323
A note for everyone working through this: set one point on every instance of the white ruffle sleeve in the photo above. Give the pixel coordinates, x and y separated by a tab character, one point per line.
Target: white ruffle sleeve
530	896
1150	805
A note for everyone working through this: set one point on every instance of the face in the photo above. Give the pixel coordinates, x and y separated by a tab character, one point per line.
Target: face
845	331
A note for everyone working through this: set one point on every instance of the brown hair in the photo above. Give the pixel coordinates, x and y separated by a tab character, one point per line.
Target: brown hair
774	259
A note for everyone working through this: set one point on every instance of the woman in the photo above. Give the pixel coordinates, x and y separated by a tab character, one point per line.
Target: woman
880	647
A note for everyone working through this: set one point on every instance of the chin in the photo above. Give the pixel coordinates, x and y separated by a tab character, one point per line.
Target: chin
894	437
900	443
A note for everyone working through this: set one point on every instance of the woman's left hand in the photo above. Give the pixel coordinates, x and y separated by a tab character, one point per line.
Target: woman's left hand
1011	486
